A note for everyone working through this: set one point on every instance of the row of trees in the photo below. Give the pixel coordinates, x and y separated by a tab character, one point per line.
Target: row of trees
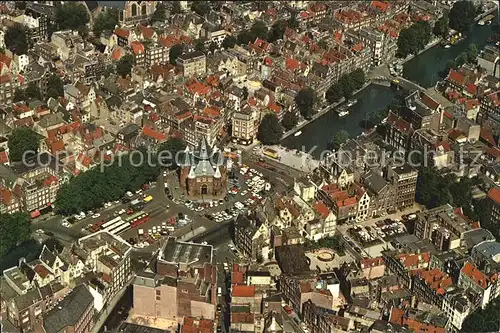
413	39
93	188
128	172
467	56
106	20
346	86
270	130
32	91
435	189
462	15
334	242
14	229
484	320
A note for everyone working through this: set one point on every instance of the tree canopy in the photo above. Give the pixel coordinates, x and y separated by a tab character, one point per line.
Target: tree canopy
289	120
277	30
270	130
55	86
71	15
200	7
93	188
462	15
174	53
483	320
305	101
346	86
124	65
413	39
229	42
160	14
257	30
31	92
339	138
16	40
199	44
176	7
441	28
14	228
106	20
173	145
22	139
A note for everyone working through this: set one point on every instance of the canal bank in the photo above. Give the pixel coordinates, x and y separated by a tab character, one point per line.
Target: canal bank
320	132
423	69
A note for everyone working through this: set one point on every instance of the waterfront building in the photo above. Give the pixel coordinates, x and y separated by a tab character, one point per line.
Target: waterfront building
493	211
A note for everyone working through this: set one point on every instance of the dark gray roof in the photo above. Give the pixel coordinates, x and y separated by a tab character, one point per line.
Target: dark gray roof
47	257
92	5
69	311
23	301
35	162
129	129
374	181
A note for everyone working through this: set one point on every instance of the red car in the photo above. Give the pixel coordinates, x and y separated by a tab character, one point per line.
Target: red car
287	309
145	187
130	211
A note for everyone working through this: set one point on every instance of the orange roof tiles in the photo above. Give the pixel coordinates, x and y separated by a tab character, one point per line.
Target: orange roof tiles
456	77
4	157
475	274
397	122
116	54
198	88
436	280
242	317
413	260
148	131
41	271
169	41
275	107
5	78
322	209
137	47
123	33
380	5
292	64
147	32
429	102
371	262
5	61
243	291
494	194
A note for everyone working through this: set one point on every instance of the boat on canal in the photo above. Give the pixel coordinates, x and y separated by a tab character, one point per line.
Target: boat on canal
298	133
351	102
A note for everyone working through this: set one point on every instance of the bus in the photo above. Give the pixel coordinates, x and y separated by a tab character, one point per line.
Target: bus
121	228
271	153
110	223
138	219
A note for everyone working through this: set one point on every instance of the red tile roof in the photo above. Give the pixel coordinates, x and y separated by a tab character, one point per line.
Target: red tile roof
243	291
148	131
4	157
41	271
380	5
429	102
471	88
275	107
494	194
472	103
242	317
147	32
413	260
292	64
169	41
137	47
475	274
436	280
371	262
123	33
322	209
456	77
398	123
116	54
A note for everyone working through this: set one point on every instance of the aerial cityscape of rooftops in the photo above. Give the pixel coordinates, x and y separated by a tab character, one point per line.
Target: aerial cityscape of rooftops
250	166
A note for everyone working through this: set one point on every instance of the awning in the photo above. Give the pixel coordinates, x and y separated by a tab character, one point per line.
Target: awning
35	214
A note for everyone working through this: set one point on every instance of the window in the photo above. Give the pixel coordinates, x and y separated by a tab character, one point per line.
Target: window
158	292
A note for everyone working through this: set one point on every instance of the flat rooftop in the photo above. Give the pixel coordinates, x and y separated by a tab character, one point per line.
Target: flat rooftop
186	252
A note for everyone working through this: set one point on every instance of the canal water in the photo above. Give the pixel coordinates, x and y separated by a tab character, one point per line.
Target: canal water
320	132
423	69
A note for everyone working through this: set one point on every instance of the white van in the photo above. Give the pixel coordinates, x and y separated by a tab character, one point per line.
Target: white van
219	291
